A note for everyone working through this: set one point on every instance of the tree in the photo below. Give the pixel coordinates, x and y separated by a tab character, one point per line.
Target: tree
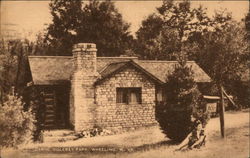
164	33
14	66
223	52
16	124
40	46
94	22
247	24
146	35
180	28
183	102
8	71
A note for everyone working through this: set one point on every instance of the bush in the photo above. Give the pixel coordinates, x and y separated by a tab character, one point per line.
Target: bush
36	103
16	125
183	101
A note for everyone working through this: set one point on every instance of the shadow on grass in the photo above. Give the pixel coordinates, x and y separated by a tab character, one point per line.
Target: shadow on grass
154	146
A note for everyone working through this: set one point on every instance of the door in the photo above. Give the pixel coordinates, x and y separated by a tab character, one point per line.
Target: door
56	103
49	108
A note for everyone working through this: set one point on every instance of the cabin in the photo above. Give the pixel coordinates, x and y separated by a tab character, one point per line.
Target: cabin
83	91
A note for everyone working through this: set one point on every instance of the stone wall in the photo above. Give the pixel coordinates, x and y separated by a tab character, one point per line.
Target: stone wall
82	103
96	105
118	116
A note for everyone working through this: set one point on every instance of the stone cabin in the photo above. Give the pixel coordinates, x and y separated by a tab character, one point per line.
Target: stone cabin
113	93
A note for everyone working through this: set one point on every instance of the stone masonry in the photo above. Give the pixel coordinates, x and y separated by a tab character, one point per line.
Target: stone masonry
82	89
92	104
116	93
119	116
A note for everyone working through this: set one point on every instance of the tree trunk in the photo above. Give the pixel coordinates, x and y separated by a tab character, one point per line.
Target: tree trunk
222	110
19	60
1	101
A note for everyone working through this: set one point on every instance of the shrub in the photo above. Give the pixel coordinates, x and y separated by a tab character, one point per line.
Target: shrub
16	125
183	101
36	103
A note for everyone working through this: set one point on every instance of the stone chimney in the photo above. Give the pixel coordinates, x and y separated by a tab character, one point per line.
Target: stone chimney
82	98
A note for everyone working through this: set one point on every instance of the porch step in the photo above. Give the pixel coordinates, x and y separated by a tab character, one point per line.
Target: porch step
58	136
62	132
49	126
54	139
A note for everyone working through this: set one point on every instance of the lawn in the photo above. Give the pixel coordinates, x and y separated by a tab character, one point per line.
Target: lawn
150	142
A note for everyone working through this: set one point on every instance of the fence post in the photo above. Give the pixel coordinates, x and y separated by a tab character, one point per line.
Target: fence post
222	111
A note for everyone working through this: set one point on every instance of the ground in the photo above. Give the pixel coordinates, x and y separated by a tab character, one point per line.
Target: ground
150	142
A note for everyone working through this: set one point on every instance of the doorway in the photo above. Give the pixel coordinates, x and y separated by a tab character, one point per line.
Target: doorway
56	107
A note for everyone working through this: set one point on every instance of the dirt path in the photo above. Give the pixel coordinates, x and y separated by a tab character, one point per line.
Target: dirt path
232	120
151	143
235	145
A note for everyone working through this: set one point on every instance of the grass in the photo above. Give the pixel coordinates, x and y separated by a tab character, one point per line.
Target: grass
152	143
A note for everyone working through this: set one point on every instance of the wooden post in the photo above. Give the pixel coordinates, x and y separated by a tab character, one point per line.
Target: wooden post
222	110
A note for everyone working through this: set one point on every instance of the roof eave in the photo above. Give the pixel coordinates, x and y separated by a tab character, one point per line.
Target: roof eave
126	65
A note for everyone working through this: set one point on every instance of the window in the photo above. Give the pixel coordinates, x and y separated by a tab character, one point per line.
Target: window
128	95
160	94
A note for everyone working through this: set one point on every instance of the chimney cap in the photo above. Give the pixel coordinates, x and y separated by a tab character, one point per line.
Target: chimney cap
84	46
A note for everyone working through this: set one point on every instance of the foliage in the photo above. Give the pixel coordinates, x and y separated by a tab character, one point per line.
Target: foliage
95	21
40	46
7	71
223	54
163	34
13	66
247	24
36	103
183	102
16	125
218	44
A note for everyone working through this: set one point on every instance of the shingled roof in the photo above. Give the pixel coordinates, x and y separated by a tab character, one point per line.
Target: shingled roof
114	68
48	70
161	69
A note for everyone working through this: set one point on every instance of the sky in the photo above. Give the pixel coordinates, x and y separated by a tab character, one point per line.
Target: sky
31	17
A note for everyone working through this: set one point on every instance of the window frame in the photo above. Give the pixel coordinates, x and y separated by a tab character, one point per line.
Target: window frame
124	95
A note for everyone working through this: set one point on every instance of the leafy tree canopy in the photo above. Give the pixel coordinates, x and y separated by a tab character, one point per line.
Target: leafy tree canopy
162	34
247	24
95	21
14	70
218	44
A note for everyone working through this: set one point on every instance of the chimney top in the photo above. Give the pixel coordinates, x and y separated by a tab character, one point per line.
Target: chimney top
85	46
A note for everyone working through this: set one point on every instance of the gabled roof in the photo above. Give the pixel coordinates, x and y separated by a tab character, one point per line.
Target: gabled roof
114	68
161	69
47	70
